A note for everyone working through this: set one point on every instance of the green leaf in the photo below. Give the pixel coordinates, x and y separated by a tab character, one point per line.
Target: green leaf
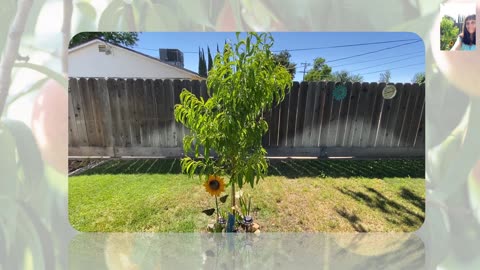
113	17
29	156
85	17
223	199
8	185
8	164
209	212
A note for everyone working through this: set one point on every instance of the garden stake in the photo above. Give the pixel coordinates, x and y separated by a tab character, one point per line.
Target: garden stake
216	203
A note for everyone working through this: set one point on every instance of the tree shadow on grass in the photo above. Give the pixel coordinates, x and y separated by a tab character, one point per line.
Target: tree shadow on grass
394	212
294	168
352	218
137	166
413	198
290	168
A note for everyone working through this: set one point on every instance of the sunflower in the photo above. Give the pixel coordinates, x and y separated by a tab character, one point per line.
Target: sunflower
215	185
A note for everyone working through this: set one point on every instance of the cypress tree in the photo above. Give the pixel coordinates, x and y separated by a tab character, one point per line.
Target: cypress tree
204	65
199	62
210	59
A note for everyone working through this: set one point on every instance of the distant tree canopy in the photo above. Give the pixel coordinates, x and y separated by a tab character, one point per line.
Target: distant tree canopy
283	58
448	33
319	72
419	78
345	76
127	39
385	77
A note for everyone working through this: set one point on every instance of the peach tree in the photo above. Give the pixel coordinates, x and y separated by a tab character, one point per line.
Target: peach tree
244	81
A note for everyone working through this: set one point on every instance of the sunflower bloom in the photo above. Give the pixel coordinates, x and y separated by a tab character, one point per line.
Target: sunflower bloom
215	185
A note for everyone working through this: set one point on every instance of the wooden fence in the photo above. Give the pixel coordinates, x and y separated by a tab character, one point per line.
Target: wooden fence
134	117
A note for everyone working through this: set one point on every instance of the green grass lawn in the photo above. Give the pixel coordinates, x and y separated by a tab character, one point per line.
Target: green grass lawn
297	195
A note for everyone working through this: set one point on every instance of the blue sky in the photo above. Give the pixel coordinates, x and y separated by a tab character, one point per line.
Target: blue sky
403	61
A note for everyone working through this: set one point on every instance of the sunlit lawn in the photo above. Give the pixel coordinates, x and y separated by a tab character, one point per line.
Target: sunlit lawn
298	195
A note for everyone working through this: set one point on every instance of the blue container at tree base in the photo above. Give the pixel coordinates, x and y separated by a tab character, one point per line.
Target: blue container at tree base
230	222
248	220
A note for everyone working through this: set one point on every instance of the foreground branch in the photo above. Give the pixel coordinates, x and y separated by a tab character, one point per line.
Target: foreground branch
11	48
67	22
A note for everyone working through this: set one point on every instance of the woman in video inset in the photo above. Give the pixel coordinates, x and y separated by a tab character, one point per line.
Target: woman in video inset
466	39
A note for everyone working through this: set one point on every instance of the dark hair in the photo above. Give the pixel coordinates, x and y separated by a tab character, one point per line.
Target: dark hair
467	38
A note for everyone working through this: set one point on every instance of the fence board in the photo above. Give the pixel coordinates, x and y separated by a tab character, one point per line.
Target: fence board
169	117
420	138
292	114
178	140
125	97
273	125
87	107
77	103
157	132
72	125
403	102
362	110
383	121
393	116
162	108
326	114
319	111
343	118
334	114
371	106
105	117
134	126
93	97
352	118
118	117
301	113
410	103
115	112
376	114
149	113
283	121
308	118
416	116
138	90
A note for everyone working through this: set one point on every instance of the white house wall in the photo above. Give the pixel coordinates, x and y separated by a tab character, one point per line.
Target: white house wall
87	61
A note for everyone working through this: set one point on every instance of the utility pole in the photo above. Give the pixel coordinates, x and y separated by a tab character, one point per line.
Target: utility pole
305	65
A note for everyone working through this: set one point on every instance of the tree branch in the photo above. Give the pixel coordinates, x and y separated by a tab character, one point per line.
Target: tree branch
66	30
11	48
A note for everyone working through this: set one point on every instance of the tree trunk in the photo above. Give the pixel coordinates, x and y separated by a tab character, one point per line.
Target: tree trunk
233	197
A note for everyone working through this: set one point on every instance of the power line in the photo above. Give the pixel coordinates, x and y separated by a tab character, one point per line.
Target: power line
373	60
348	45
157	49
392	68
384	49
319	48
384	64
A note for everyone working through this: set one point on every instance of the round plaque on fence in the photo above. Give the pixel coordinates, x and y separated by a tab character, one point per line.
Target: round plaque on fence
389	92
340	92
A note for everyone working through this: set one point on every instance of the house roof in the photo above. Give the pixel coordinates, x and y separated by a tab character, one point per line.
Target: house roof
94	40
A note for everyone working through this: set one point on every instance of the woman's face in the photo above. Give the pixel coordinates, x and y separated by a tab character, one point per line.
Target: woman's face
470	25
